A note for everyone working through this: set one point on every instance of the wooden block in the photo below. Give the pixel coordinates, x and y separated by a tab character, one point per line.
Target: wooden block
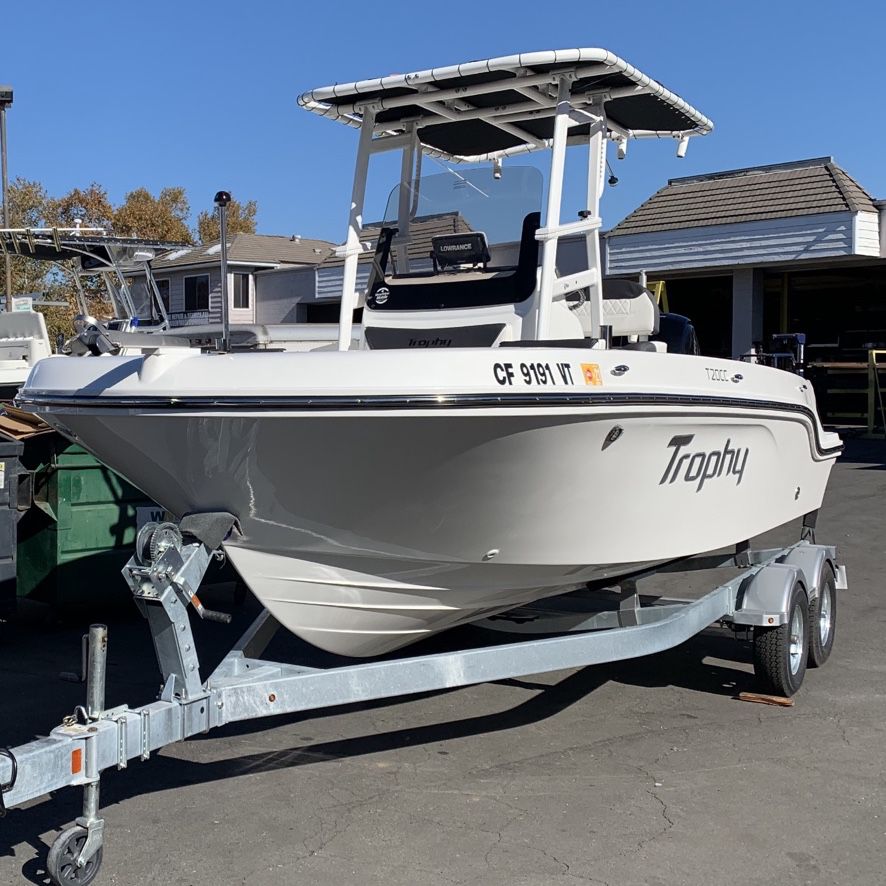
778	700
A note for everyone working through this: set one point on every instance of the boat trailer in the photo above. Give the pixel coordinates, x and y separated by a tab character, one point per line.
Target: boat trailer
785	596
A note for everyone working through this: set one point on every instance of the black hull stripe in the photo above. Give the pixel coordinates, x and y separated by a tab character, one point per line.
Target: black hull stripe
432	402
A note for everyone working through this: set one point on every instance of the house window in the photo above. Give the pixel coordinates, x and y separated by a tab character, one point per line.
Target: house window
197	293
163	289
241	290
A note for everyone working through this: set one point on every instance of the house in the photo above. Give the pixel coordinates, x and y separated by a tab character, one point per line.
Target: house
189	279
787	247
294	294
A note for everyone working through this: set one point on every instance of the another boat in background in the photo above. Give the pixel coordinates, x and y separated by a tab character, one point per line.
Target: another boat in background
23	341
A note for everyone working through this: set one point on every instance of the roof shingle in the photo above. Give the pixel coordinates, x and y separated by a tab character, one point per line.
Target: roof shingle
246	248
421	230
783	190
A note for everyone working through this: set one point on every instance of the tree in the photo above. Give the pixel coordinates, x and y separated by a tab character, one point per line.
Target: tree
27	202
91	207
156	218
241	220
164	217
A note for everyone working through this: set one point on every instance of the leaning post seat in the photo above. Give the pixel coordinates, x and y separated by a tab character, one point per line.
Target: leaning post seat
629	309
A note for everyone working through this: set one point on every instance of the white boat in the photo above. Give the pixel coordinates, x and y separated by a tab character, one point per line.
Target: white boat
23	341
133	303
510	426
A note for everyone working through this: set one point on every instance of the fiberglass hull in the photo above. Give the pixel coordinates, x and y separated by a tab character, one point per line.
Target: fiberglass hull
369	521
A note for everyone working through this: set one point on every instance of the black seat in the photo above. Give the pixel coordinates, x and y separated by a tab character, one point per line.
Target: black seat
637	346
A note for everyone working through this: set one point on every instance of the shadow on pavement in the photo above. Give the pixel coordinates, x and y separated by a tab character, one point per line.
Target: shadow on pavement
33	654
868	454
683	667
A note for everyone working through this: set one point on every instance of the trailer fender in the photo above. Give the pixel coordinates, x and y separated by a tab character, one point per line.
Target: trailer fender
765	597
812	560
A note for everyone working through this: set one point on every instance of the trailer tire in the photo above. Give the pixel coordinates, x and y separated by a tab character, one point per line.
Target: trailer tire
781	653
61	863
823	619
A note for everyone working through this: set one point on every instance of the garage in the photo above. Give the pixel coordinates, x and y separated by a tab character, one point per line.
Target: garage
795	247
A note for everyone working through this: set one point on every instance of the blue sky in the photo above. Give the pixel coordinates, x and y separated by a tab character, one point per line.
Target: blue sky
200	95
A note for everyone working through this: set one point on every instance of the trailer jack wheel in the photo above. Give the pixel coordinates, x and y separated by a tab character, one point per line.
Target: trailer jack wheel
61	864
781	653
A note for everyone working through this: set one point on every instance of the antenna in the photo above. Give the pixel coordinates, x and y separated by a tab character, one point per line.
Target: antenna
222	199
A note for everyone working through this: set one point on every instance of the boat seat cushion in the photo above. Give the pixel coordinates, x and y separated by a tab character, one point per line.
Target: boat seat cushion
629	308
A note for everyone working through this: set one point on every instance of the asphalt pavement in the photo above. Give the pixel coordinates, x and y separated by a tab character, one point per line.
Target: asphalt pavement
643	773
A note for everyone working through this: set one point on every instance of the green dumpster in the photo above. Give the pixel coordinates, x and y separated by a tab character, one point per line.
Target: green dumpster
80	528
10	467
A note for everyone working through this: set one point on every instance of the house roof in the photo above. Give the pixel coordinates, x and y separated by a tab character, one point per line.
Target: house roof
782	190
259	249
421	231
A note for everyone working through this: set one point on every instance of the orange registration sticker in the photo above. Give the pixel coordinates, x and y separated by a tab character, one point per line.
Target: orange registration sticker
591	372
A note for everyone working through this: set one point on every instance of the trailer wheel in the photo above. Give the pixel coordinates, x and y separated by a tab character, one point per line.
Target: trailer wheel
823	620
61	863
781	653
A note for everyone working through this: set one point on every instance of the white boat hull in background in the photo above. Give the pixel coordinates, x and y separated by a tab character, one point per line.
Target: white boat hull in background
374	512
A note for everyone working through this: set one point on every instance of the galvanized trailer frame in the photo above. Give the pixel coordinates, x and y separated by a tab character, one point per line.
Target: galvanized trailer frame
164	576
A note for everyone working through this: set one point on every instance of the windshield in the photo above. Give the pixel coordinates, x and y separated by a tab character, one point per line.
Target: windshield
459	201
142	298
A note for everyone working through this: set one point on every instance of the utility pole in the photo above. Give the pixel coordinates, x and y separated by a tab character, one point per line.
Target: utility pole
5	102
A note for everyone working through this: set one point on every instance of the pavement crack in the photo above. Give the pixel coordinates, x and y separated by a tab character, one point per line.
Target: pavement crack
495	845
585	878
841	726
665	811
554	859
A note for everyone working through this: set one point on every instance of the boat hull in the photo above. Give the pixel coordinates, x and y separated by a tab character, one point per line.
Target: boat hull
366	527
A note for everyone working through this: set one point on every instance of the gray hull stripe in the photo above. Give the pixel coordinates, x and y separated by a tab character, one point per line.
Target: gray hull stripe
431	402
